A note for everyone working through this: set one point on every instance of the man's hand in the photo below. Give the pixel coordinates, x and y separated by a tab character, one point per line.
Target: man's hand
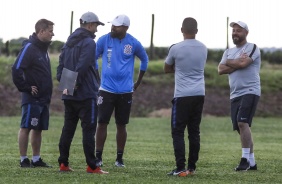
135	86
34	90
65	92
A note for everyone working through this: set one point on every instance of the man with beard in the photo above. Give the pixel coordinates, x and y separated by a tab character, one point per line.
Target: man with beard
242	64
118	50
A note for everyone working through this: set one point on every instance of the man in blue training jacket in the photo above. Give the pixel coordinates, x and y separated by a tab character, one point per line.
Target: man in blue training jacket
118	50
32	76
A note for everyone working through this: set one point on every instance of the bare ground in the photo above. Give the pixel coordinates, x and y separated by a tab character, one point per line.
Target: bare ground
153	101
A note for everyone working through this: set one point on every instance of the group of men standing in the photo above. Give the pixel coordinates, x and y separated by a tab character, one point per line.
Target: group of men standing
96	96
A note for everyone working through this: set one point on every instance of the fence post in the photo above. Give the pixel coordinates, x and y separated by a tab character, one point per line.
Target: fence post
71	22
152	36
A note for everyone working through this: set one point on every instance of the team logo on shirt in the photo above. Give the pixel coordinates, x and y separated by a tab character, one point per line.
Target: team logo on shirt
100	100
127	49
34	121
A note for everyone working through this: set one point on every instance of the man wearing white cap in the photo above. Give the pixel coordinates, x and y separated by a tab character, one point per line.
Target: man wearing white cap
118	50
78	55
242	64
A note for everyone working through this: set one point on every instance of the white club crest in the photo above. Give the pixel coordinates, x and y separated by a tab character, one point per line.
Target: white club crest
34	121
127	49
100	100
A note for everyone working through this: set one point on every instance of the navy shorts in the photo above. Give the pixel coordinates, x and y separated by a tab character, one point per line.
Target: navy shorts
243	109
110	102
35	116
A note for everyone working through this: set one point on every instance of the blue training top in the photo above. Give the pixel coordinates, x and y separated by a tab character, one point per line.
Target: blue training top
118	58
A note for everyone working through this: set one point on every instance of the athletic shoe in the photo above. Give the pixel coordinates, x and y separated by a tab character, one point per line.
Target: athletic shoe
25	163
99	163
190	171
175	172
39	163
98	170
64	168
119	163
254	168
243	166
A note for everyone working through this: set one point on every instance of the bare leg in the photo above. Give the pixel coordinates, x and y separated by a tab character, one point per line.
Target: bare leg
121	137
245	135
101	136
35	140
23	141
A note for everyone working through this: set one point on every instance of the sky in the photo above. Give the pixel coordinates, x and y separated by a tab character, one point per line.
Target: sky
18	17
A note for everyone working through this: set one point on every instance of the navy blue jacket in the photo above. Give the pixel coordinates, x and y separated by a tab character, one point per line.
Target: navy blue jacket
32	68
78	54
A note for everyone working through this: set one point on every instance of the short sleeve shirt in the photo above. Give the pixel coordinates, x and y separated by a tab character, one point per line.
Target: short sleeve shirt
189	58
246	80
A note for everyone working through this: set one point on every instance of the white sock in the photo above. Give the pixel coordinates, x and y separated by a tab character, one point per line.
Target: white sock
35	158
245	153
23	157
252	159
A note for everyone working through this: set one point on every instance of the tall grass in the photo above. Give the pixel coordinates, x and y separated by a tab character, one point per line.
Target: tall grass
149	154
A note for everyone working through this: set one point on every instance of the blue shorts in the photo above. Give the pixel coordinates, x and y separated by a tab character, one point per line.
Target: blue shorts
243	109
35	116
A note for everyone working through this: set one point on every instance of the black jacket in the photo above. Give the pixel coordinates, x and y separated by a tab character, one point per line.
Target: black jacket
32	68
78	54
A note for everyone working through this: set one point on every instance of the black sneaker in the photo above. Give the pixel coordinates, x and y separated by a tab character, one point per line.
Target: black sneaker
25	163
175	172
119	163
39	163
190	171
243	166
254	168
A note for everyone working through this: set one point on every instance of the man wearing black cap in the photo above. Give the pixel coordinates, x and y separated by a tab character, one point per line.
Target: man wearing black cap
242	64
78	55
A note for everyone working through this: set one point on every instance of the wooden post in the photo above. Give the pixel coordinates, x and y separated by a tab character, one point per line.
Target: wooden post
227	43
152	36
71	22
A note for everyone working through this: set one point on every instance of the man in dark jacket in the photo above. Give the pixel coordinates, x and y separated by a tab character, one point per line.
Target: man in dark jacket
31	74
78	55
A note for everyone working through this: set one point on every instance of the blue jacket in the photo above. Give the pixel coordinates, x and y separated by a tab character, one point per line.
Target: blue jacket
118	57
78	54
32	68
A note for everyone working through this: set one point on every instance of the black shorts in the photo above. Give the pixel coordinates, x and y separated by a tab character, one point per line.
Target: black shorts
243	109
35	116
109	102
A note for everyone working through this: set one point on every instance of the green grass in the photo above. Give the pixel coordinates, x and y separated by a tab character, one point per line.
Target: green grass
271	75
149	154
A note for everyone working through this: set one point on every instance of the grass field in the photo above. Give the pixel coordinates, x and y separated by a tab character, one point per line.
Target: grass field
149	154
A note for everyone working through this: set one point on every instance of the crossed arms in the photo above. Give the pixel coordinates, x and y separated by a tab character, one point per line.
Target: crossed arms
234	64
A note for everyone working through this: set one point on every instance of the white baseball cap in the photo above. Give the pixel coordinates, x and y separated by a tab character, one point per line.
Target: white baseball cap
89	17
121	20
241	24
